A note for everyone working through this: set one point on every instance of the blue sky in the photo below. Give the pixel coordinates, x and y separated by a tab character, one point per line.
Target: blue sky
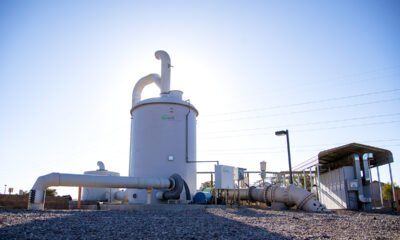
326	70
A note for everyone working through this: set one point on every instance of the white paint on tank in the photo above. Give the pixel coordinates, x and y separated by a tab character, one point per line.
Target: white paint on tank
99	194
160	145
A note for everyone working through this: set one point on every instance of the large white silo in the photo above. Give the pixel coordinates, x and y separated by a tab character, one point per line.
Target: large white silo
163	135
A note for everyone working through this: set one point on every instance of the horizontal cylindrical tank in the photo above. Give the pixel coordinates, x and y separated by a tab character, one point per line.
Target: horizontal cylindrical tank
99	194
163	142
202	198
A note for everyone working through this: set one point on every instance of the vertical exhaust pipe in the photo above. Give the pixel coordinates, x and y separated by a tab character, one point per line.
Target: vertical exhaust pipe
165	70
163	81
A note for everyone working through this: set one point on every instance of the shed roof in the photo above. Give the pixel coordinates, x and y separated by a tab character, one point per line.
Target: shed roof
338	156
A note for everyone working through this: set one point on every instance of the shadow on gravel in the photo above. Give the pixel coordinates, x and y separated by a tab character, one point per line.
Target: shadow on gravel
252	212
152	224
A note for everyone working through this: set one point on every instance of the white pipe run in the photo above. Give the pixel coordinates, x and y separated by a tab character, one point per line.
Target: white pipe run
165	70
37	194
163	82
143	82
291	196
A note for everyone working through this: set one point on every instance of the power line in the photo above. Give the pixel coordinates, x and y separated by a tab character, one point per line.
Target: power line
282	151
311	129
297	146
310	110
308	102
320	82
307	124
365	79
348	126
275	152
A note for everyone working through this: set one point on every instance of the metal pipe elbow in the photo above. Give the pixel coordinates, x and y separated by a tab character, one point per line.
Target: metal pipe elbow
143	82
163	56
38	191
45	181
304	200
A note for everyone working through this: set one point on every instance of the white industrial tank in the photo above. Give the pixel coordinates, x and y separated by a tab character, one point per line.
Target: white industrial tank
163	141
99	194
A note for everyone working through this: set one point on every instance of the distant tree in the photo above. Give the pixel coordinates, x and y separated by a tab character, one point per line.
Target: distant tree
387	190
51	192
205	185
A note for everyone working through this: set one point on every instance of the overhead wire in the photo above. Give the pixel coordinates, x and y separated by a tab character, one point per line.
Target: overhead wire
306	124
305	148
299	146
309	102
320	82
310	129
307	111
348	126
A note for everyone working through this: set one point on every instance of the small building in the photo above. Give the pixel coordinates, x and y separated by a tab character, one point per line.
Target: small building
342	176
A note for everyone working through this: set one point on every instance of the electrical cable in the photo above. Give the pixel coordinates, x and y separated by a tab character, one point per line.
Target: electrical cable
309	102
296	147
306	124
310	129
309	110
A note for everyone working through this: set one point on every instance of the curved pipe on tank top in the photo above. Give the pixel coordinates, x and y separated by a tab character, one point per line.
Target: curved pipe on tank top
101	166
165	70
143	82
163	82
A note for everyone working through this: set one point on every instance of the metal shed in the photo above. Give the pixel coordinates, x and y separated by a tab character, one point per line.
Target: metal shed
338	157
342	175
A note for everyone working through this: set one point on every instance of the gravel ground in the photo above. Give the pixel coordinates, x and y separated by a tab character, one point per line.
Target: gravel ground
196	223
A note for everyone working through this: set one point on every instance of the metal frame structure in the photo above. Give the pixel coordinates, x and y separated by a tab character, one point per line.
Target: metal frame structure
336	157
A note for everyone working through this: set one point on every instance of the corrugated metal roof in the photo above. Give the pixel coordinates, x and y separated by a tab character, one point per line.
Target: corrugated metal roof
340	156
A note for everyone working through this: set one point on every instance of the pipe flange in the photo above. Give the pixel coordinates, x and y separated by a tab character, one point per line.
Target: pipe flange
265	193
273	189
250	189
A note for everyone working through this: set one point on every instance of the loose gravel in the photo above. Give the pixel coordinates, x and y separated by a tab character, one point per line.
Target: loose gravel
196	223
